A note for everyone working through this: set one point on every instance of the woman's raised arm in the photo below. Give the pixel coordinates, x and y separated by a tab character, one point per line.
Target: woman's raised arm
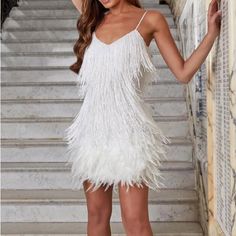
185	69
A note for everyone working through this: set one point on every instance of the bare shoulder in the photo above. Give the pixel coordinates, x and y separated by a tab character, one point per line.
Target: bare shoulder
155	20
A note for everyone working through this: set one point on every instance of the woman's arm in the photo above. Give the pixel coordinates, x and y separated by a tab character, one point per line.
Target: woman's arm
185	69
78	5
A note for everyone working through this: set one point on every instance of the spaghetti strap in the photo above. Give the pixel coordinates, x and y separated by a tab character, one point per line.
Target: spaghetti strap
141	19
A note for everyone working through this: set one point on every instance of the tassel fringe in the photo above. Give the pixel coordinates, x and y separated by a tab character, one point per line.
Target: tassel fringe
113	138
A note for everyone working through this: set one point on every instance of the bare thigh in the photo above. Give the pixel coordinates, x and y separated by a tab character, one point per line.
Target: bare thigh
134	209
99	202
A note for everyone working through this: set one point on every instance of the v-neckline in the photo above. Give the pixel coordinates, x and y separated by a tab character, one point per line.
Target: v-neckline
120	38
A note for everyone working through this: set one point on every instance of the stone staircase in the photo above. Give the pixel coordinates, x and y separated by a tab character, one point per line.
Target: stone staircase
39	100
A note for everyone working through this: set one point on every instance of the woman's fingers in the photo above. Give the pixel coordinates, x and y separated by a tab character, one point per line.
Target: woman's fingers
214	18
213	8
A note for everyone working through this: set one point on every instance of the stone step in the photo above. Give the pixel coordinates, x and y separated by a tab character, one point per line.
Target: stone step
25	143
70	212
57	22
53	48
65	4
37	44
47	151
50	34
180	204
60	75
69	119
54	129
175	175
44	195
70	107
176	228
32	68
20	13
60	166
56	59
70	90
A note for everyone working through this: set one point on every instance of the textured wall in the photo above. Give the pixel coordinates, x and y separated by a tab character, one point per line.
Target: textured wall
211	96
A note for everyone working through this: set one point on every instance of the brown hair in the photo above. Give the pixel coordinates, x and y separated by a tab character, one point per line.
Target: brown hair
92	14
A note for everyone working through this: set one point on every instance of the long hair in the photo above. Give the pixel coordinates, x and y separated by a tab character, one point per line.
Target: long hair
92	14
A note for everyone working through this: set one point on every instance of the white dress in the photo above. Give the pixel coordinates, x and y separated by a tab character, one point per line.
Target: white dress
114	137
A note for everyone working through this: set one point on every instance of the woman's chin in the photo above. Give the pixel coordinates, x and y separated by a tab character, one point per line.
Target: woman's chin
108	3
105	2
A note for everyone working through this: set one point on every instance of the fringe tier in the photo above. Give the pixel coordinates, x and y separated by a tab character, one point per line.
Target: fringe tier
114	138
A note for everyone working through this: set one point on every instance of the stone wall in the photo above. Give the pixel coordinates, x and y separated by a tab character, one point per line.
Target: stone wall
211	98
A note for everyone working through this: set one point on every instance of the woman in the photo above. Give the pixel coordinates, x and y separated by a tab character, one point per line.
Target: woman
113	140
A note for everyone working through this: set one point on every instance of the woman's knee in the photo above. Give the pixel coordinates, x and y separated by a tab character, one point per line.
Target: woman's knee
130	215
99	213
134	222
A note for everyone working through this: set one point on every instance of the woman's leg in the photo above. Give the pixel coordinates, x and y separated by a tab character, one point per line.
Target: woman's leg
134	210
99	206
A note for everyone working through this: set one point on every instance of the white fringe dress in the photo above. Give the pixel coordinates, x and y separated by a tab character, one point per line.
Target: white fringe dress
114	138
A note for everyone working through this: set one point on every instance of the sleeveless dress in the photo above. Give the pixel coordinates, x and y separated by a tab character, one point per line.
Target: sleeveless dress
114	138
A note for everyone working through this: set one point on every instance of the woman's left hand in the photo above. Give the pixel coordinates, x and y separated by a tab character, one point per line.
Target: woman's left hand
214	19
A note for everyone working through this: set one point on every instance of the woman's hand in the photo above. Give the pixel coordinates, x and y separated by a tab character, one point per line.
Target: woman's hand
214	19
